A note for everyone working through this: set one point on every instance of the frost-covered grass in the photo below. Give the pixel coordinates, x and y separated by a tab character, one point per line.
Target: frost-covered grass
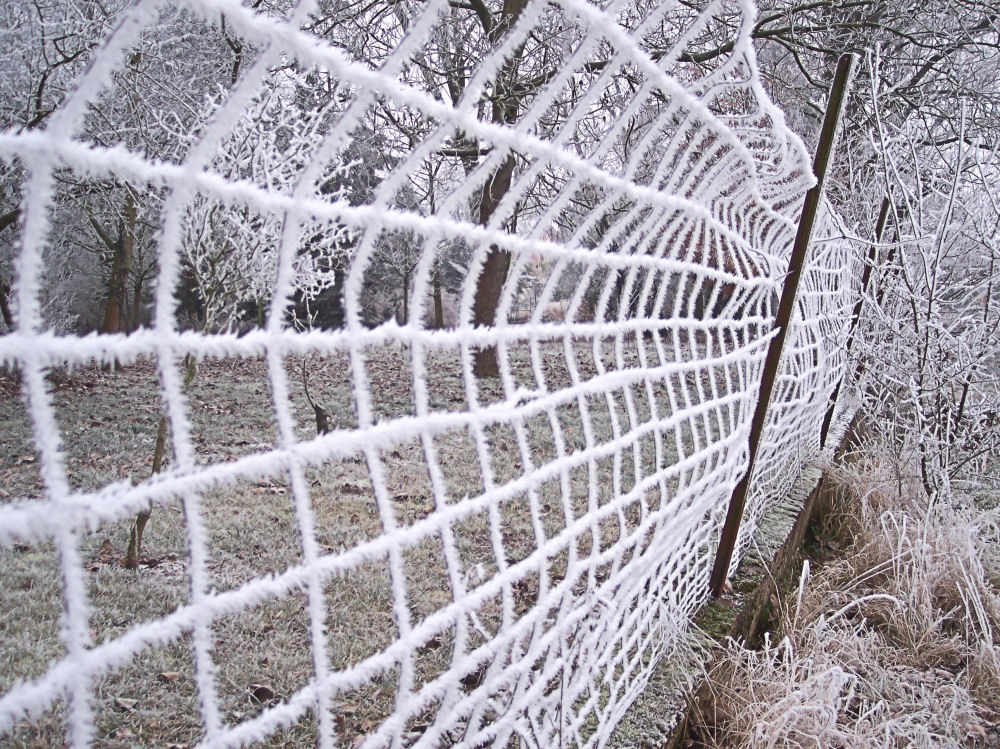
108	421
892	640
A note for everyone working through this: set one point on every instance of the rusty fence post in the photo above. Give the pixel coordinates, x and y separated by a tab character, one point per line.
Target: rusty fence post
783	317
866	275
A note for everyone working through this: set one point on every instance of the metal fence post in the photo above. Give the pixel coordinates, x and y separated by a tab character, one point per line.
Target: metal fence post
786	305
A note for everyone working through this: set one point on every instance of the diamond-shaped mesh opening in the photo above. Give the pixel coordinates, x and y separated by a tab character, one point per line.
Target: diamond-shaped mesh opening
558	566
433	659
571	426
540	439
550	506
525	593
519	357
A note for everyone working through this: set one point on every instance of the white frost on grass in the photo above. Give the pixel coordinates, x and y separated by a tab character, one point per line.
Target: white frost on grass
891	644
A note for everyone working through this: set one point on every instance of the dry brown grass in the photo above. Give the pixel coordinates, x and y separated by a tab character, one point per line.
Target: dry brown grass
894	641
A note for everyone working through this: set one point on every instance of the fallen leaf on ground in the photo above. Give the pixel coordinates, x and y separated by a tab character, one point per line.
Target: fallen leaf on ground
125	705
259	693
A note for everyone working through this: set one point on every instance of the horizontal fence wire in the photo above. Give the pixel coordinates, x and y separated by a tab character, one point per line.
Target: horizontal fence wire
354	212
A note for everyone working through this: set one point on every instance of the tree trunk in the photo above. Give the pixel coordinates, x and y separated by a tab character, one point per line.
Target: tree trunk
121	266
134	553
491	282
137	284
8	318
111	322
494	273
7	219
506	105
405	316
438	304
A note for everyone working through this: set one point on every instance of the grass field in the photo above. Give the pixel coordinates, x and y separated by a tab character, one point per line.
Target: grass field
262	656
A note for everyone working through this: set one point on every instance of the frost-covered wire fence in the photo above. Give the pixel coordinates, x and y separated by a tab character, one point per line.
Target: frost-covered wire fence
596	201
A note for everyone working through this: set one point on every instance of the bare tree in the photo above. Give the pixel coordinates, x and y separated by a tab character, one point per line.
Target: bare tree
922	134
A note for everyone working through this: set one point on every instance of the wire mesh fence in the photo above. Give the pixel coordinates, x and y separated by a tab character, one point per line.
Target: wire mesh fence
453	314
